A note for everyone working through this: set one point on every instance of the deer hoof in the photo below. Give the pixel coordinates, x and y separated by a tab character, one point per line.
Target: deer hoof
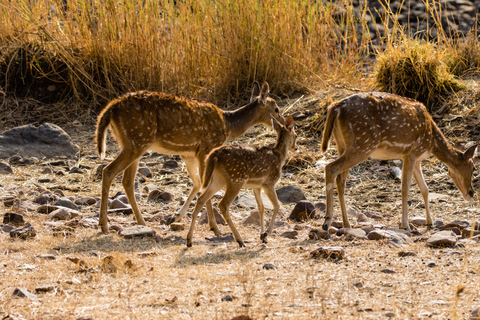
325	226
241	244
189	244
170	220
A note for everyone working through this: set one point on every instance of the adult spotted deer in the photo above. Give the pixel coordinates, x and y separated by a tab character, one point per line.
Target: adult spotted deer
169	124
387	126
234	167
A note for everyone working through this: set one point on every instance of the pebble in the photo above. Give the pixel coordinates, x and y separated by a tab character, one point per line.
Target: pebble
328	252
302	211
228	298
290	234
146	172
170	164
290	194
268	266
46	288
315	234
5	168
177	226
12	218
445	238
65	202
64	214
24	293
25	233
137	231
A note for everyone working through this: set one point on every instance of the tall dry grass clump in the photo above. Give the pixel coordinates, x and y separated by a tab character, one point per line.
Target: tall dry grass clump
206	49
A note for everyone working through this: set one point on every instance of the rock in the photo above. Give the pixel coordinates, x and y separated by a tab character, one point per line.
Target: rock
373	215
170	164
357	283
352	233
316	234
46	288
397	239
337	224
445	238
85	201
159	195
6	228
177	226
89	222
24	293
98	173
302	211
475	314
47	140
76	170
268	266
332	230
388	271
418	221
247	200
64	214
65	202
47	256
252	219
146	172
46	209
203	219
149	188
118	204
362	217
328	252
290	234
45	198
242	317
137	231
455	224
228	298
290	194
5	168
431	264
469	232
320	207
229	238
19	161
25	233
406	254
12	218
367	229
111	264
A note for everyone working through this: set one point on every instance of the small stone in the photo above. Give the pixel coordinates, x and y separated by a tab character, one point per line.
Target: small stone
328	252
203	219
268	266
64	214
5	168
316	234
362	217
302	211
445	238
431	264
45	198
76	170
469	232
242	317
373	215
406	254
290	194
159	195
388	271
27	232
47	257
85	201
170	164
389	314
46	209
290	234
146	172
475	315
149	188
332	230
229	238
46	288
418	221
97	174
67	203
357	284
337	224
252	219
12	218
352	233
228	298
23	293
89	222
118	204
137	231
177	226
397	239
6	228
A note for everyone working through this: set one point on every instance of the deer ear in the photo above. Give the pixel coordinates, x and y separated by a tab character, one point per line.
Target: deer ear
470	152
289	123
264	93
255	91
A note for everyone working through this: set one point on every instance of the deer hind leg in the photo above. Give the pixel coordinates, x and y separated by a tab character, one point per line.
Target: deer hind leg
417	173
341	184
123	160
212	221
407	171
272	196
202	199
128	182
192	169
261	210
332	170
224	205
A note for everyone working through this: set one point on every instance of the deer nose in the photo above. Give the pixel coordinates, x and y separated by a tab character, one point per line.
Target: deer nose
471	193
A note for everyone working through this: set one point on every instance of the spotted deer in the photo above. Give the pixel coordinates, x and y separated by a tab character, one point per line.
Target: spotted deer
387	126
235	167
170	124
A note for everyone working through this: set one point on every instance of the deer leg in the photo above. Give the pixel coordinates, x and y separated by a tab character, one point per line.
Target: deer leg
272	196
204	197
261	210
128	182
123	160
192	169
210	214
407	172
417	173
224	205
332	170
341	184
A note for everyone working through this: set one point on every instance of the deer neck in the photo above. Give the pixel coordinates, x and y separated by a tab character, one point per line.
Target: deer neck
238	121
443	150
281	148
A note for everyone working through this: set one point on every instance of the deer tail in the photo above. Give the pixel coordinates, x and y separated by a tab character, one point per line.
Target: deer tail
329	123
101	133
210	165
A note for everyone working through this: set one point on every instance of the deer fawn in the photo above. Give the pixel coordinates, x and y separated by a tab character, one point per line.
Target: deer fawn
169	124
387	126
234	167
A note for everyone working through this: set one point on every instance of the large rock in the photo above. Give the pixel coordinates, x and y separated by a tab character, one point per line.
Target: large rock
395	238
302	211
290	194
445	238
47	140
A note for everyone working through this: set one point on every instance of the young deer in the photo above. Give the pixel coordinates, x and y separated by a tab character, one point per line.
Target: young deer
234	167
169	124
387	126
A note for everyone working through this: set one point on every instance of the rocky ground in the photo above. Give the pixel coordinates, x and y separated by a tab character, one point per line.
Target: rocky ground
55	263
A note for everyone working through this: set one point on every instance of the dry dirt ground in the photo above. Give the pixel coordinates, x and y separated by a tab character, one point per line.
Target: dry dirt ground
90	275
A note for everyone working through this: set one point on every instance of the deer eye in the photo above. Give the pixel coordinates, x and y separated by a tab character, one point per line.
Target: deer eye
277	110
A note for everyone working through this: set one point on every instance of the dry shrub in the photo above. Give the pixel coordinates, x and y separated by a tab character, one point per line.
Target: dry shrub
463	56
415	69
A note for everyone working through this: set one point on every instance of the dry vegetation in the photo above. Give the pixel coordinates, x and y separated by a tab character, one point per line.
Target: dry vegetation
61	60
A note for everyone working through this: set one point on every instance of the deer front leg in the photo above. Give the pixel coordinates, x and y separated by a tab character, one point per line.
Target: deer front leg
341	183
212	221
407	172
272	196
204	197
128	182
329	178
417	173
